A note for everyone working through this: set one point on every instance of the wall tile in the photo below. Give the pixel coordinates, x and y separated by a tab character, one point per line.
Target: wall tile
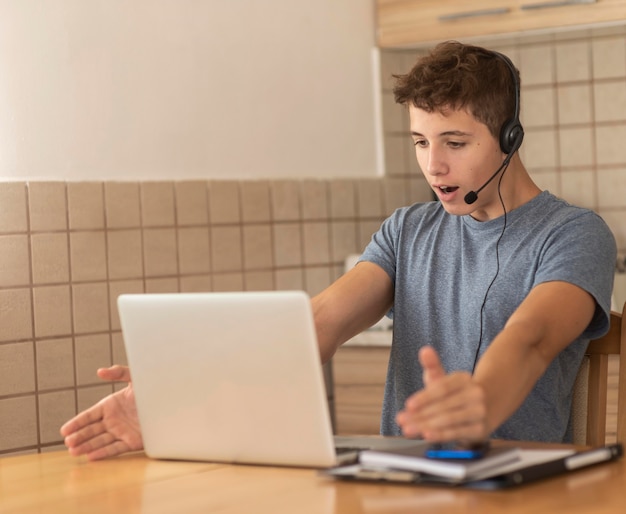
55	363
228	282
194	252
342	198
536	64
365	230
92	352
574	103
392	63
395	155
13	201
609	57
17	368
192	206
160	252
576	146
579	188
15	315
121	201
314	194
121	287
611	187
285	200
85	205
224	206
394	194
369	198
540	149
88	256
573	61
47	206
419	191
157	204
538	107
288	244
317	279
395	117
610	101
125	254
54	410
226	252
162	285
88	396
118	349
259	280
411	159
50	258
343	240
289	279
257	247
15	269
610	144
18	422
90	307
315	236
255	201
196	284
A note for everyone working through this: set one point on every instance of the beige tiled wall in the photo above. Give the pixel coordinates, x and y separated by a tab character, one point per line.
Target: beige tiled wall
67	250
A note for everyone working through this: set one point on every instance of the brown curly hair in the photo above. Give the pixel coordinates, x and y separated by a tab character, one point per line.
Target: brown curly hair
459	76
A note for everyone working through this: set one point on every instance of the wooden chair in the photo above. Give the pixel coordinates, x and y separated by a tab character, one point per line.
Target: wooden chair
589	408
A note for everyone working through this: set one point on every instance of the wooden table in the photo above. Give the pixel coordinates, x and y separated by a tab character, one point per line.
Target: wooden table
57	483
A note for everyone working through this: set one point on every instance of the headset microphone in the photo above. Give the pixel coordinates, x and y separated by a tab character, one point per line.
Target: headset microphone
472	196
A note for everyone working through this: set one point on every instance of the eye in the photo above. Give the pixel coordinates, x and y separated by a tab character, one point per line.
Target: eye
456	144
421	143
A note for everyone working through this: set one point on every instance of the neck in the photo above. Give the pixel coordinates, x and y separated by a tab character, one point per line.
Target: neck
516	188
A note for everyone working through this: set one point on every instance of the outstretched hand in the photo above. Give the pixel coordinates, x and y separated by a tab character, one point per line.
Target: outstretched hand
450	407
108	428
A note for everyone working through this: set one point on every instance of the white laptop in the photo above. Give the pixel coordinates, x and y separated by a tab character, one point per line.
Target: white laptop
231	377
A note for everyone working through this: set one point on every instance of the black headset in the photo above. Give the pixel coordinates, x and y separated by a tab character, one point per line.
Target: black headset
511	133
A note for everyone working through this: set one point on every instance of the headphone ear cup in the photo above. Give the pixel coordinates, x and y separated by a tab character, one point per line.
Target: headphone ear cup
511	136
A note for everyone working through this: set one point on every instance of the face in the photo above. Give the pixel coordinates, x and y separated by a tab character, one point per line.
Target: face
457	154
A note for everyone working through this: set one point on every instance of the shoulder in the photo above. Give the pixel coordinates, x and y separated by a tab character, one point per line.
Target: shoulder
564	218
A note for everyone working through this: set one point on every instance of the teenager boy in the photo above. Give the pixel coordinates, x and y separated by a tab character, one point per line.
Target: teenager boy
495	289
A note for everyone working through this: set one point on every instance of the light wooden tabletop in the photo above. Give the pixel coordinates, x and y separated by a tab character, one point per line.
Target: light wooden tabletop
53	483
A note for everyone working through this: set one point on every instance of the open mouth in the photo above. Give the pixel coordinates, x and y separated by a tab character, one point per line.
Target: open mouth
447	189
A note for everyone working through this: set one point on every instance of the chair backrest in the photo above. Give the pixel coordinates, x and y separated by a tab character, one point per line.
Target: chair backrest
589	408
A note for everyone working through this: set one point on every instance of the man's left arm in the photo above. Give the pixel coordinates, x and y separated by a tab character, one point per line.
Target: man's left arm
459	406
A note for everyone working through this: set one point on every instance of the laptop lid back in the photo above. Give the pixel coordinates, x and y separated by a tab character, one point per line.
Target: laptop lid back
230	377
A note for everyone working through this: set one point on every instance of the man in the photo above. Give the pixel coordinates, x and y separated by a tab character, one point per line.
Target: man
495	289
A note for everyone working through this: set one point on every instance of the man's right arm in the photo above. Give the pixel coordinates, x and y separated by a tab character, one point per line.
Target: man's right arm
350	305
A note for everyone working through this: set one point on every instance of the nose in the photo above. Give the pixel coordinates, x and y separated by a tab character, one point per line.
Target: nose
434	163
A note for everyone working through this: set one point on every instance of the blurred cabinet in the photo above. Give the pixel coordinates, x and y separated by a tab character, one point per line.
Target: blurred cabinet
402	23
359	380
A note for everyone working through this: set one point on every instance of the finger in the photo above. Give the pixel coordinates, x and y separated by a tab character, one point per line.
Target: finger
84	446
82	420
117	447
115	373
431	365
445	387
467	432
88	433
460	424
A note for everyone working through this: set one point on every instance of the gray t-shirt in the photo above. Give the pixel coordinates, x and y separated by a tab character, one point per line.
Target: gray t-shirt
441	266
